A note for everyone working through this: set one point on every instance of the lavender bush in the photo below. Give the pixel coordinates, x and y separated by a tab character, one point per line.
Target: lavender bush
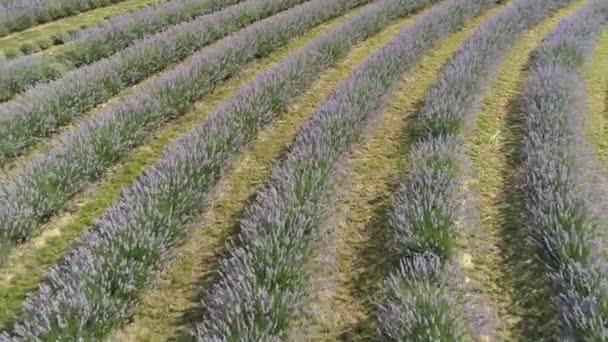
93	44
559	202
49	181
18	74
18	15
96	286
261	284
40	110
426	206
418	303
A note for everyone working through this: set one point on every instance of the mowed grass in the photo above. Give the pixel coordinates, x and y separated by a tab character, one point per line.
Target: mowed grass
169	310
502	261
42	35
596	75
373	170
26	265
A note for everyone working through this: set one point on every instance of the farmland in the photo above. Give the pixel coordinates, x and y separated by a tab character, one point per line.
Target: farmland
303	170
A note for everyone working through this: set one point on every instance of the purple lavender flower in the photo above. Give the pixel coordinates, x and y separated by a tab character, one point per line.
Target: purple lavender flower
560	177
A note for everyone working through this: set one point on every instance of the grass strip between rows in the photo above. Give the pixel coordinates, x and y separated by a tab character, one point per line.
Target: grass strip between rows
596	75
101	41
563	201
262	286
419	303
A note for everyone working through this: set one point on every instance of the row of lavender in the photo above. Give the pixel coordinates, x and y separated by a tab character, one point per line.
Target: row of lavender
99	42
17	15
50	180
262	282
561	194
419	304
96	286
42	109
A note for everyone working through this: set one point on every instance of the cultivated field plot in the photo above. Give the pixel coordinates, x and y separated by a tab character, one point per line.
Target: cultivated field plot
304	170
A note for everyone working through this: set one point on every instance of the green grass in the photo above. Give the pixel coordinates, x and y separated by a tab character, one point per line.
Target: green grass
43	34
26	266
501	260
374	168
596	75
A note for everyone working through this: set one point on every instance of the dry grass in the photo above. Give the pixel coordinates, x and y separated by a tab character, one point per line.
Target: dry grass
596	75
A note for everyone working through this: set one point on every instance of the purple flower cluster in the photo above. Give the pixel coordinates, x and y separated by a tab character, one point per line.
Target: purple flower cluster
49	181
561	194
101	41
18	15
261	284
42	109
96	286
427	205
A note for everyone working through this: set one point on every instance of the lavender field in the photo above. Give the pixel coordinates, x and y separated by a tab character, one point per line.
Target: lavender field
304	170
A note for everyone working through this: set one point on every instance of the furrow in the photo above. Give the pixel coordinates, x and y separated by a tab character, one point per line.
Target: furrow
596	76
